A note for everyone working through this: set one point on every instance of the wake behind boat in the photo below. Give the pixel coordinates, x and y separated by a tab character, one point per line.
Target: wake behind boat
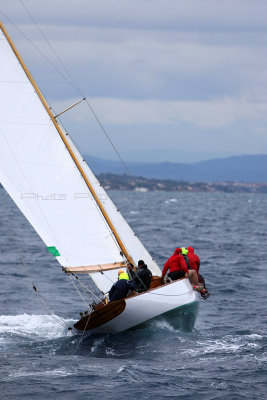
55	189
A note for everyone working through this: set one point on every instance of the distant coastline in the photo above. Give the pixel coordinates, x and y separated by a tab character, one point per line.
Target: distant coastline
141	184
247	168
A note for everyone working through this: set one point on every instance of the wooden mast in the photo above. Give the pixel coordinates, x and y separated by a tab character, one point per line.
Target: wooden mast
73	156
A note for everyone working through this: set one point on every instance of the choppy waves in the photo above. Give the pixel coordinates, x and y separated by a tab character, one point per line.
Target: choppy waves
223	357
32	327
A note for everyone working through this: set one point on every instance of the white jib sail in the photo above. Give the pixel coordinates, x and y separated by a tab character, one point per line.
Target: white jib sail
40	175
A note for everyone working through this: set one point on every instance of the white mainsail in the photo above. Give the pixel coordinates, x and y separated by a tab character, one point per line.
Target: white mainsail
42	177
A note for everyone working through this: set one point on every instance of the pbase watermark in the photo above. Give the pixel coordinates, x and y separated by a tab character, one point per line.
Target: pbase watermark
61	196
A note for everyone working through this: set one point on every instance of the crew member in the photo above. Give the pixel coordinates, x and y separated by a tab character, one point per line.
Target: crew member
194	261
178	269
120	289
184	254
194	264
142	277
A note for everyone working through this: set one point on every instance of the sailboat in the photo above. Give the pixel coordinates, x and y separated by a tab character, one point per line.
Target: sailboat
57	192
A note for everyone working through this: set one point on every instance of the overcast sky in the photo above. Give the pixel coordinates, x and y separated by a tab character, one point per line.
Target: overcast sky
170	80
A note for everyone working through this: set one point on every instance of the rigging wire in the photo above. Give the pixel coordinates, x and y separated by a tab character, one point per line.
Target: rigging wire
68	76
42	301
88	316
74	84
78	291
35	47
79	342
106	276
84	288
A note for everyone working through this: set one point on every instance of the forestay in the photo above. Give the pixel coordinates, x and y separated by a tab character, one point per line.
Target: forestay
39	173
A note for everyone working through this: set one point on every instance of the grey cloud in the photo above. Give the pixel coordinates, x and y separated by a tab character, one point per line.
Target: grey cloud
207	15
184	51
138	64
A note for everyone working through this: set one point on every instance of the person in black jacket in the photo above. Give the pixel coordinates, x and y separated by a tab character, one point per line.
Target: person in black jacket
142	277
120	289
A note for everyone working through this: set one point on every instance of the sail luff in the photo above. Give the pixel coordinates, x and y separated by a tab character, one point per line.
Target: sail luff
74	158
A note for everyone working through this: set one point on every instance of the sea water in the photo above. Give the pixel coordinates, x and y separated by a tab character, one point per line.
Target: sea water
223	357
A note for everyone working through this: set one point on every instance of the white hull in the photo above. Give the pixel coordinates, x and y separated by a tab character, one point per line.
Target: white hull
151	304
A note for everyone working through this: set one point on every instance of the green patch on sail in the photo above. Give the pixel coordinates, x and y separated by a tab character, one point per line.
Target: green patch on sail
54	251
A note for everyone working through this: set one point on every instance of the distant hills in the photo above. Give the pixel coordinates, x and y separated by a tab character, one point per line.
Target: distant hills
249	168
141	184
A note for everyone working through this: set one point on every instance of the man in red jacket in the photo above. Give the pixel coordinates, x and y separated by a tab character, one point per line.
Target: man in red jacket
178	269
194	261
194	264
